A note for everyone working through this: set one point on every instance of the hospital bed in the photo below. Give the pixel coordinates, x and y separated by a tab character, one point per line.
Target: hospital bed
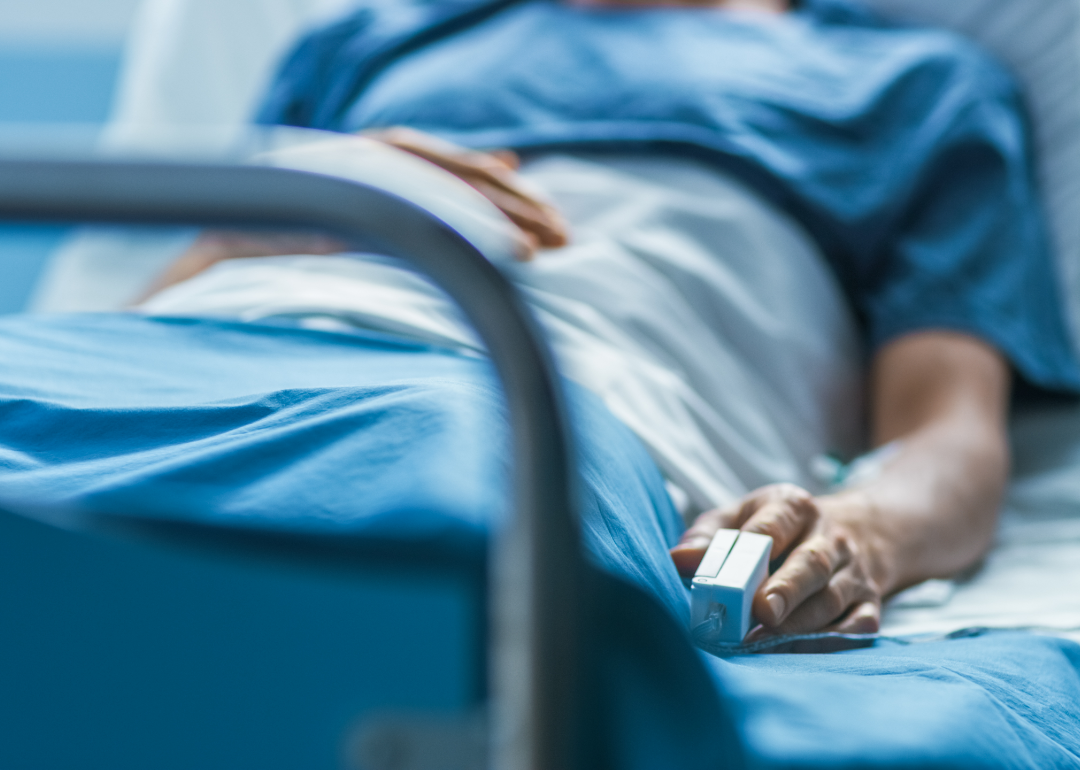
539	569
1037	524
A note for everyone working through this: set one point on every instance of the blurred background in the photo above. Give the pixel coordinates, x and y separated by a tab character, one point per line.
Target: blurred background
58	64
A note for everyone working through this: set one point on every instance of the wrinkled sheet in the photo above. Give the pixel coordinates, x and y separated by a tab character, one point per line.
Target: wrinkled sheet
1003	700
293	430
1031	577
300	431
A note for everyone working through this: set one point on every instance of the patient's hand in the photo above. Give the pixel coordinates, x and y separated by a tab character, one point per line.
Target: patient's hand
930	512
494	174
213	246
830	578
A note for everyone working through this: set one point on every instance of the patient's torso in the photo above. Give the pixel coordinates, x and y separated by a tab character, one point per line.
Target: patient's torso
705	319
903	151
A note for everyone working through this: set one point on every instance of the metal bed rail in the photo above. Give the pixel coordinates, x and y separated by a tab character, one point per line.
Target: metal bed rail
537	576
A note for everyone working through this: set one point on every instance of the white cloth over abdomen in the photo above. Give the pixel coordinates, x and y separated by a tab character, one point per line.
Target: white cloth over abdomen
705	319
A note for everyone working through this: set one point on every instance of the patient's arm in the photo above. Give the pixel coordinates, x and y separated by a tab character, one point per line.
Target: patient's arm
930	513
214	246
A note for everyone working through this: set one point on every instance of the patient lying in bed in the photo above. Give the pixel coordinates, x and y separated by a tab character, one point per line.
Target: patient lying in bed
705	237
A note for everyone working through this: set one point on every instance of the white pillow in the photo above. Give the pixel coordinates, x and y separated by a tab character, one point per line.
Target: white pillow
1040	41
208	61
186	63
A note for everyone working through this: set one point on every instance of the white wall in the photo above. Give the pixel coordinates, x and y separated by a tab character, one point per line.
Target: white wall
65	22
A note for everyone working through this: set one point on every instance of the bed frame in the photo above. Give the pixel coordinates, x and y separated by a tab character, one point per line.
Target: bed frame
538	587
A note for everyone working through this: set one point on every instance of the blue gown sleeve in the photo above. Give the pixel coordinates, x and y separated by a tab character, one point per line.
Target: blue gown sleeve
971	251
297	91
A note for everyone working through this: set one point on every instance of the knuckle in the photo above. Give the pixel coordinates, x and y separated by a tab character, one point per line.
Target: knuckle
833	603
750	503
494	170
801	503
781	491
792	493
847	547
817	559
727	519
871	591
782	513
777	523
861	587
703	527
793	518
766	493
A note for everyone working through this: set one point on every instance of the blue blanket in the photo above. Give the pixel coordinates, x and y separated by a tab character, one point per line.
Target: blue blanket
367	437
290	430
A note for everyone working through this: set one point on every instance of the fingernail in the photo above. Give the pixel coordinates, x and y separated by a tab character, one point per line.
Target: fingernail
777	605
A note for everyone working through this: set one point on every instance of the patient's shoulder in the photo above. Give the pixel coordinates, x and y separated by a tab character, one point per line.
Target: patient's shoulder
327	67
935	55
937	67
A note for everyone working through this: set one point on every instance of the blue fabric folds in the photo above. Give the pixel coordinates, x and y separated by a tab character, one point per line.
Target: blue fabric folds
294	432
1003	700
287	430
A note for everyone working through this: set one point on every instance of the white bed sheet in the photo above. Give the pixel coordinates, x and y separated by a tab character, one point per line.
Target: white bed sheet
1031	578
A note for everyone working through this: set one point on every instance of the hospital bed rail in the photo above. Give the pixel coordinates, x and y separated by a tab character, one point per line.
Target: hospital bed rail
537	578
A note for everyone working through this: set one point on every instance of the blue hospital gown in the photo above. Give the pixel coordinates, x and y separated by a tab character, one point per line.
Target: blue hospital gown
903	151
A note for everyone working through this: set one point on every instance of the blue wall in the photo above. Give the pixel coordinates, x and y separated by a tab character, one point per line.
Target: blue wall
47	84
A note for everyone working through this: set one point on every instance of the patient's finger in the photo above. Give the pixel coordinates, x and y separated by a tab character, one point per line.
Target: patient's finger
493	168
452	157
806	571
527	213
509	157
844	589
693	544
782	511
785	515
864	618
496	181
418	143
492	174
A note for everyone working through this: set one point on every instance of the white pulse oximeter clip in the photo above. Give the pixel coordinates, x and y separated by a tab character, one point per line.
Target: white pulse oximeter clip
724	585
